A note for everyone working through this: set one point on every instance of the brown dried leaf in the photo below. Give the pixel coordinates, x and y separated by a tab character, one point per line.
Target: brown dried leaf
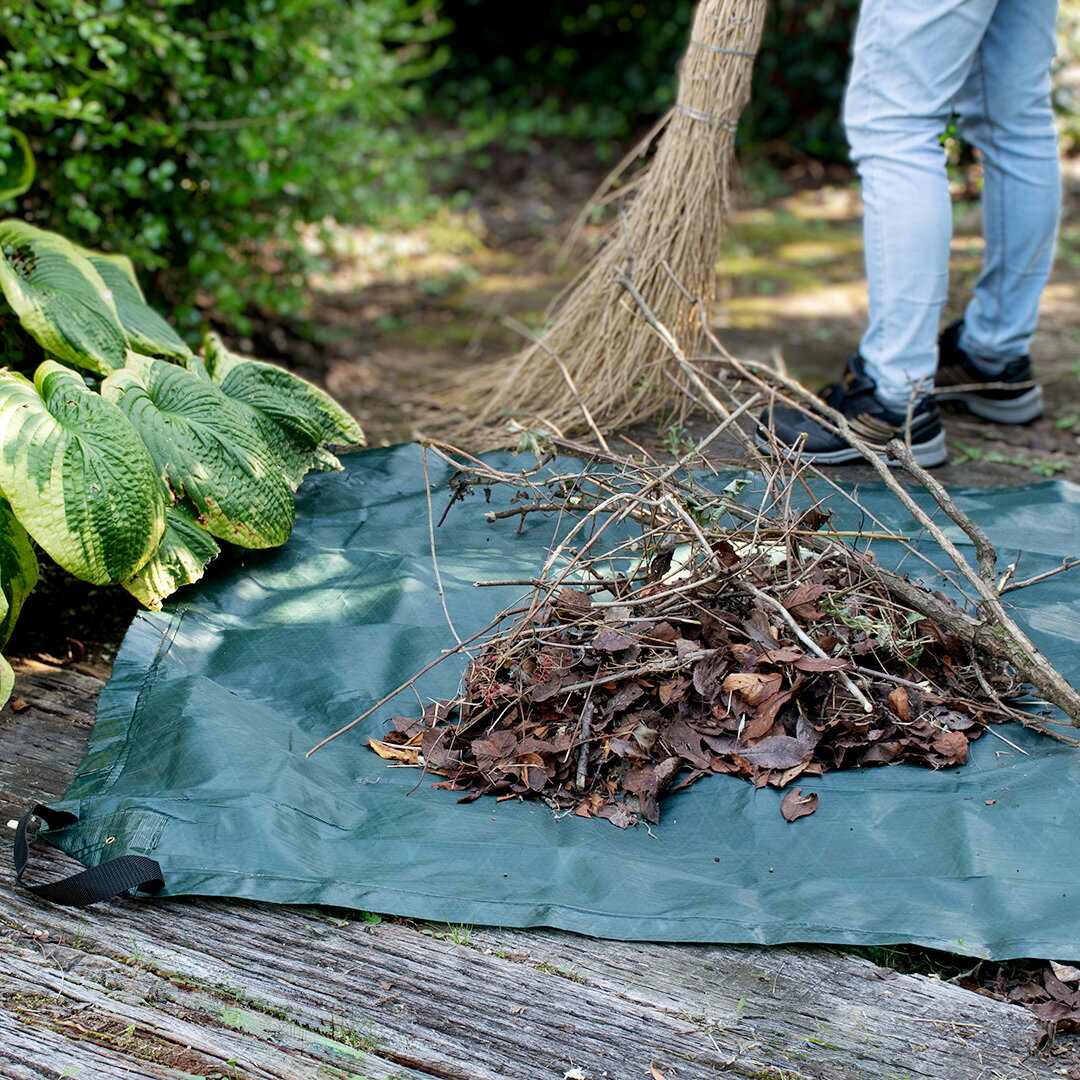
900	704
800	602
786	655
499	744
1065	972
814	518
1059	991
439	755
662	633
672	690
795	804
767	710
811	664
760	630
707	674
1055	1011
650	782
1026	992
952	745
572	604
683	740
753	686
776	752
409	754
725	554
608	640
617	814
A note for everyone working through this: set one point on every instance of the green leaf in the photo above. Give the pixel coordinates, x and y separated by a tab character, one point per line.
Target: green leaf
15	182
77	475
18	569
60	298
7	681
181	559
296	418
147	332
205	449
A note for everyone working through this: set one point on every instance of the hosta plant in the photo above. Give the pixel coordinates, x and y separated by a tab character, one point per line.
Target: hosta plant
124	455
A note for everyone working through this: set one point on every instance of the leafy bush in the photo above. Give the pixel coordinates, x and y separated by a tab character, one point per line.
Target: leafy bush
563	69
198	135
599	70
132	468
799	80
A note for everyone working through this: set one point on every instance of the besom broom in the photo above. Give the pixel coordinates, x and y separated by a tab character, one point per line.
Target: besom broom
600	365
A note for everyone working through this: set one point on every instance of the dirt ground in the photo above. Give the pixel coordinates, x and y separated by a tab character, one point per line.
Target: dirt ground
402	310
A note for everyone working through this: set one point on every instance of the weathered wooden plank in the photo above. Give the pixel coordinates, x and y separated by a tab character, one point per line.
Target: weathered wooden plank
272	992
43	742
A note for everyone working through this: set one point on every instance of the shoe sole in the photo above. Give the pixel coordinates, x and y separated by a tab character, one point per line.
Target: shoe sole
928	454
1018	410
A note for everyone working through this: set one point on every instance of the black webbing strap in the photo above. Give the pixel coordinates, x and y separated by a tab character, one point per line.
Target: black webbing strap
101	882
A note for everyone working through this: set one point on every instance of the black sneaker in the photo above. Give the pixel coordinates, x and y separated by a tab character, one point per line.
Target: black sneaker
874	422
1019	401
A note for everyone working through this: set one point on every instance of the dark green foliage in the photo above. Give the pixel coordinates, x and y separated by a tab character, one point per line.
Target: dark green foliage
799	80
602	69
199	134
563	68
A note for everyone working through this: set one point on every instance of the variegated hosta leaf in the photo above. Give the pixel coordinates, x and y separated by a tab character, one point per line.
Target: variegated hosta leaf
18	569
7	681
78	475
147	332
60	298
18	176
205	449
181	559
295	418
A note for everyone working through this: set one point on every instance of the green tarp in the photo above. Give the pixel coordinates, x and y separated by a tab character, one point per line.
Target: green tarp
198	759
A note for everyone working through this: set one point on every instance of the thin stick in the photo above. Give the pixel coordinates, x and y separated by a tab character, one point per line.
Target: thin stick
1067	564
583	750
807	641
431	544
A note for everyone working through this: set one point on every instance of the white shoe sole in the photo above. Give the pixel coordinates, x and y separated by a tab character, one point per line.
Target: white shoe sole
928	454
1018	410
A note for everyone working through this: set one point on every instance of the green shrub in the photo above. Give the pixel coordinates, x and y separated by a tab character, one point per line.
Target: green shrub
198	136
601	70
125	456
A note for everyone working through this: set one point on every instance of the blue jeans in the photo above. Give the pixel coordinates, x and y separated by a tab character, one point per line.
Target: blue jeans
917	63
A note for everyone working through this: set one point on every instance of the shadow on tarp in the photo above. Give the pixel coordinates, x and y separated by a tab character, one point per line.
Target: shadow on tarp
198	758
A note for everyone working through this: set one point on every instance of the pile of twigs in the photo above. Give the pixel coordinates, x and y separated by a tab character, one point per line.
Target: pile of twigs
720	637
677	632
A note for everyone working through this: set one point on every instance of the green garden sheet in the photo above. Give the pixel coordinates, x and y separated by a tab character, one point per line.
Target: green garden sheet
198	759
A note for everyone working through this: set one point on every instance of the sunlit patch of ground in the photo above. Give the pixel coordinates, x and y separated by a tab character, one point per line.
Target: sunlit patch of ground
403	310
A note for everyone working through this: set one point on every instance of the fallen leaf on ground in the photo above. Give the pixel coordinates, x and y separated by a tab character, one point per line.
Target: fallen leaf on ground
795	804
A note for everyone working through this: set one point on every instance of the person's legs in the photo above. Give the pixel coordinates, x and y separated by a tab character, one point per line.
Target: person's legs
1005	110
911	59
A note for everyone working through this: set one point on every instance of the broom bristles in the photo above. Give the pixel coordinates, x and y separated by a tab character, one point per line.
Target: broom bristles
600	365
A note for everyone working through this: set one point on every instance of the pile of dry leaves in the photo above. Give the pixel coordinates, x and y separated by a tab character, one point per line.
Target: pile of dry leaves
756	656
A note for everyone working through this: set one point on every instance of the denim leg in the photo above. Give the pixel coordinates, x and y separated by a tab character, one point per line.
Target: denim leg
911	58
1004	109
